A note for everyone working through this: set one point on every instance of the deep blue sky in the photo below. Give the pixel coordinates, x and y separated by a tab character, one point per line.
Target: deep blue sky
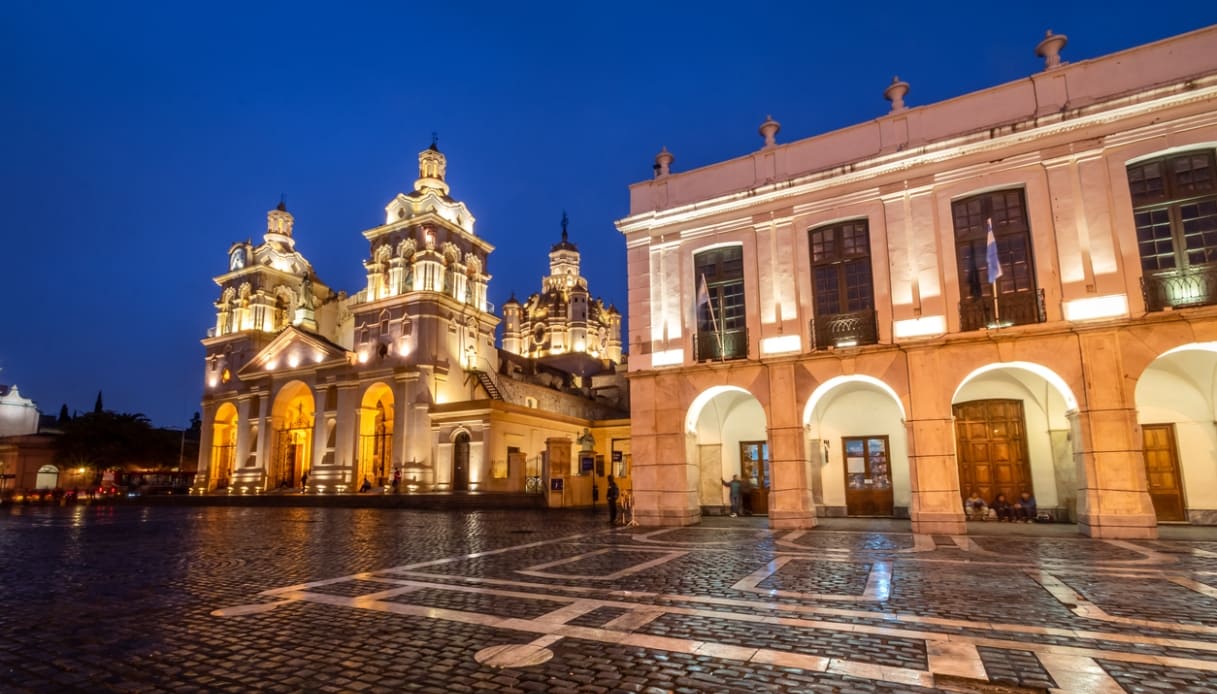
141	139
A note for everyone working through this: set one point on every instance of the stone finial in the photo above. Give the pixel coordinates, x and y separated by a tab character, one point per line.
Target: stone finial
895	93
768	130
663	162
1050	49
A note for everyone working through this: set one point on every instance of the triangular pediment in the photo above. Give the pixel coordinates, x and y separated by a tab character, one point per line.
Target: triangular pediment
294	350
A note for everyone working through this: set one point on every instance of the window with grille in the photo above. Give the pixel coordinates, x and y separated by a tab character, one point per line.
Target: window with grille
722	321
841	284
1019	301
1175	212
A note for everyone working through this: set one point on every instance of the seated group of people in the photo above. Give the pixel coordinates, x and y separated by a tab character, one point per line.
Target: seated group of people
1021	511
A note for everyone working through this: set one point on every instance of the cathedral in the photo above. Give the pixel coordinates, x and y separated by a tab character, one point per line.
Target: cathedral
400	386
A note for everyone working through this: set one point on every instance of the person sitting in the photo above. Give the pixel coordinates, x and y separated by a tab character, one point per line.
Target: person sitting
366	486
975	507
1001	506
1025	508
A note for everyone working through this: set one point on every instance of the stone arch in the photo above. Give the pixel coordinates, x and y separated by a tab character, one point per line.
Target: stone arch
1015	429
292	416
377	415
726	434
223	457
1176	401
866	416
48	477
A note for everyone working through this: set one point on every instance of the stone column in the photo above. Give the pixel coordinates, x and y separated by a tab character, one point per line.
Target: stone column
664	479
936	506
1113	491
790	500
203	474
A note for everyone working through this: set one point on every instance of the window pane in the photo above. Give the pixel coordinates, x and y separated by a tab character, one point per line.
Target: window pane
822	245
1200	231
1154	240
857	286
827	290
1193	175
733	317
1145	183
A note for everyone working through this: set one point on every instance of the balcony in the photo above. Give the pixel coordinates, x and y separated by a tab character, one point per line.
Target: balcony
1021	308
845	329
735	345
1194	286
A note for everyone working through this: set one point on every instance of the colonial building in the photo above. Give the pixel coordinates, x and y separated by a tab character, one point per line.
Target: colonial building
27	457
398	385
1011	290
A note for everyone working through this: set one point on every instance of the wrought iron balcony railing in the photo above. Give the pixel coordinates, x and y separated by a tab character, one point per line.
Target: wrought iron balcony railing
1194	286
734	345
845	329
1020	308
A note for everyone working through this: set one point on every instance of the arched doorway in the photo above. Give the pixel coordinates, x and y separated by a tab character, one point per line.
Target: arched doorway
1176	400
858	448
223	447
1013	433
727	435
48	477
376	462
292	416
460	462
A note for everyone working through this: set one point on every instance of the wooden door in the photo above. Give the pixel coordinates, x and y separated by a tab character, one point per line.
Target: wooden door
754	463
1162	470
460	463
868	476
991	440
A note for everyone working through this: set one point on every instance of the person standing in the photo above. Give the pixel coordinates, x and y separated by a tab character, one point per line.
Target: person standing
736	494
611	497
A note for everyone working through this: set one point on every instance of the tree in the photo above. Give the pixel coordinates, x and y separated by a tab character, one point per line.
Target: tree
97	408
104	440
63	415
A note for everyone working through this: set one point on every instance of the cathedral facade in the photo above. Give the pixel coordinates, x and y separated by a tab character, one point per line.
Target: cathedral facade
397	386
1011	291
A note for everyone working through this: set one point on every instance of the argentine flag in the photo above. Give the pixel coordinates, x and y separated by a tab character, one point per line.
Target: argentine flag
994	265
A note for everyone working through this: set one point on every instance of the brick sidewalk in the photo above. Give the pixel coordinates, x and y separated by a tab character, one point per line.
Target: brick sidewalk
133	598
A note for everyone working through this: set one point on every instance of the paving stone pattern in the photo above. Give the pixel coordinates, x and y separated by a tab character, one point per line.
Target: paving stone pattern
1015	667
1145	678
880	650
166	598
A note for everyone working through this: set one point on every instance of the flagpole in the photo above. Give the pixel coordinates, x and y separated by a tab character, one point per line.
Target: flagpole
996	312
717	330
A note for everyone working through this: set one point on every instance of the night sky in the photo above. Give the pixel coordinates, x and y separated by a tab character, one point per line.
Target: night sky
142	139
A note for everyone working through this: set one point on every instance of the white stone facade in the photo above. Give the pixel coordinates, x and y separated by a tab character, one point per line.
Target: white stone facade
821	316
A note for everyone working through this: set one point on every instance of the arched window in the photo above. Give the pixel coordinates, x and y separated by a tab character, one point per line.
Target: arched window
1019	301
1175	210
721	312
841	285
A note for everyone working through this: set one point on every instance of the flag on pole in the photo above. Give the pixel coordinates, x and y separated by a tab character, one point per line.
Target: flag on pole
703	299
991	252
703	295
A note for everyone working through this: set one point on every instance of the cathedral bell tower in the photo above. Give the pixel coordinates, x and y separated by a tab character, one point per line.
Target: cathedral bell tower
431	168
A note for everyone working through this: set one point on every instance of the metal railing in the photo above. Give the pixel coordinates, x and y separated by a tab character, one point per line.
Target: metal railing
1194	286
845	329
1020	308
734	345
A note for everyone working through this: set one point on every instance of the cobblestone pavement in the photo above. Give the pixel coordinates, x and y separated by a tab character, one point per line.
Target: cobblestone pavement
143	599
